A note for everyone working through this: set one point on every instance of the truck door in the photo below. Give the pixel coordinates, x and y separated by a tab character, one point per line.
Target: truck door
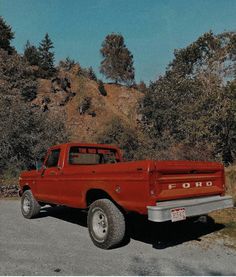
48	190
73	176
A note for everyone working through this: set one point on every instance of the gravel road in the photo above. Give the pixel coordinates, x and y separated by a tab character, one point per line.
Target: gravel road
58	243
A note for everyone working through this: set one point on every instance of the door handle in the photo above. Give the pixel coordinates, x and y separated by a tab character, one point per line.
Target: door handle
52	173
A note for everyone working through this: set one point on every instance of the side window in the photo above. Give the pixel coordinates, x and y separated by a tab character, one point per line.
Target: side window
53	158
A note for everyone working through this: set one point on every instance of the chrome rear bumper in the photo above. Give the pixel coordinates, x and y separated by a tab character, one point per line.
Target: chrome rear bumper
193	207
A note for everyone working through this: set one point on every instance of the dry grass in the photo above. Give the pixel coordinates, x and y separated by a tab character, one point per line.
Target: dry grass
226	217
230	173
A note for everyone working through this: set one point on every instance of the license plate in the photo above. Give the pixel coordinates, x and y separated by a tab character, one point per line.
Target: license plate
178	214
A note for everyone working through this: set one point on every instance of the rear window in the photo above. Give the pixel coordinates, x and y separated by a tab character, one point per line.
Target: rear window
91	156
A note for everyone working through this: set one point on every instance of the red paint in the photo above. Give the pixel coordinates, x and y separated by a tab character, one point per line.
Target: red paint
132	185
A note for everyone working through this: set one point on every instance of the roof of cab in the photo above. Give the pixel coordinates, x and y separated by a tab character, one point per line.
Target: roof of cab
86	145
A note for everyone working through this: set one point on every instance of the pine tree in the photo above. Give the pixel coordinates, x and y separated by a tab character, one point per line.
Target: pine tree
101	88
117	64
91	74
46	57
6	35
31	54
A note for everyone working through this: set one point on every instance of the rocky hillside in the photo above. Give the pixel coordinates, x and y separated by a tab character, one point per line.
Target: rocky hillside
86	111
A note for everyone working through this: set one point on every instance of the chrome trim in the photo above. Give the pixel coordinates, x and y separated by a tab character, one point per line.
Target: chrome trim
193	207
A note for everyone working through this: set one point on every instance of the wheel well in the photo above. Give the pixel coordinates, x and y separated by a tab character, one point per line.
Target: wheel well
26	188
95	194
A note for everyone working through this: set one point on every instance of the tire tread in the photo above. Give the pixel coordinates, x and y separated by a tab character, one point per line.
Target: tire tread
35	206
116	223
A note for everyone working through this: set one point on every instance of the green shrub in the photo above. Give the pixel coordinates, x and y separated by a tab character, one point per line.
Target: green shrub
101	88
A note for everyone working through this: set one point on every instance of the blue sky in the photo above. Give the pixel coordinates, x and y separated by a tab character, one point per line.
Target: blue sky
152	28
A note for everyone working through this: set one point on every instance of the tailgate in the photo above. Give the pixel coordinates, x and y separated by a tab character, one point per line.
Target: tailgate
185	179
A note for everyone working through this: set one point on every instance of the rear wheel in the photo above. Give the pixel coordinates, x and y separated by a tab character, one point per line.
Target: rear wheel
29	205
106	224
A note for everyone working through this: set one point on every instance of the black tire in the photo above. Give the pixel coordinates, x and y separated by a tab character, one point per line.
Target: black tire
29	205
111	220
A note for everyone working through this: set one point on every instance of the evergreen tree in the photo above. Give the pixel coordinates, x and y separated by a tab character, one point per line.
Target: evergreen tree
26	131
46	57
6	35
91	74
18	78
101	88
117	63
31	54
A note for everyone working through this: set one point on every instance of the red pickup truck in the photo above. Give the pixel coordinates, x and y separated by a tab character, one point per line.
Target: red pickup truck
94	177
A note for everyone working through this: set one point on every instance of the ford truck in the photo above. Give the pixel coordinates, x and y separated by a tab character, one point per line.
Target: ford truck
94	177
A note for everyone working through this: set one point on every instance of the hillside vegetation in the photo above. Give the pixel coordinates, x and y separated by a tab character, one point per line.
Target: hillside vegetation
187	113
87	112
